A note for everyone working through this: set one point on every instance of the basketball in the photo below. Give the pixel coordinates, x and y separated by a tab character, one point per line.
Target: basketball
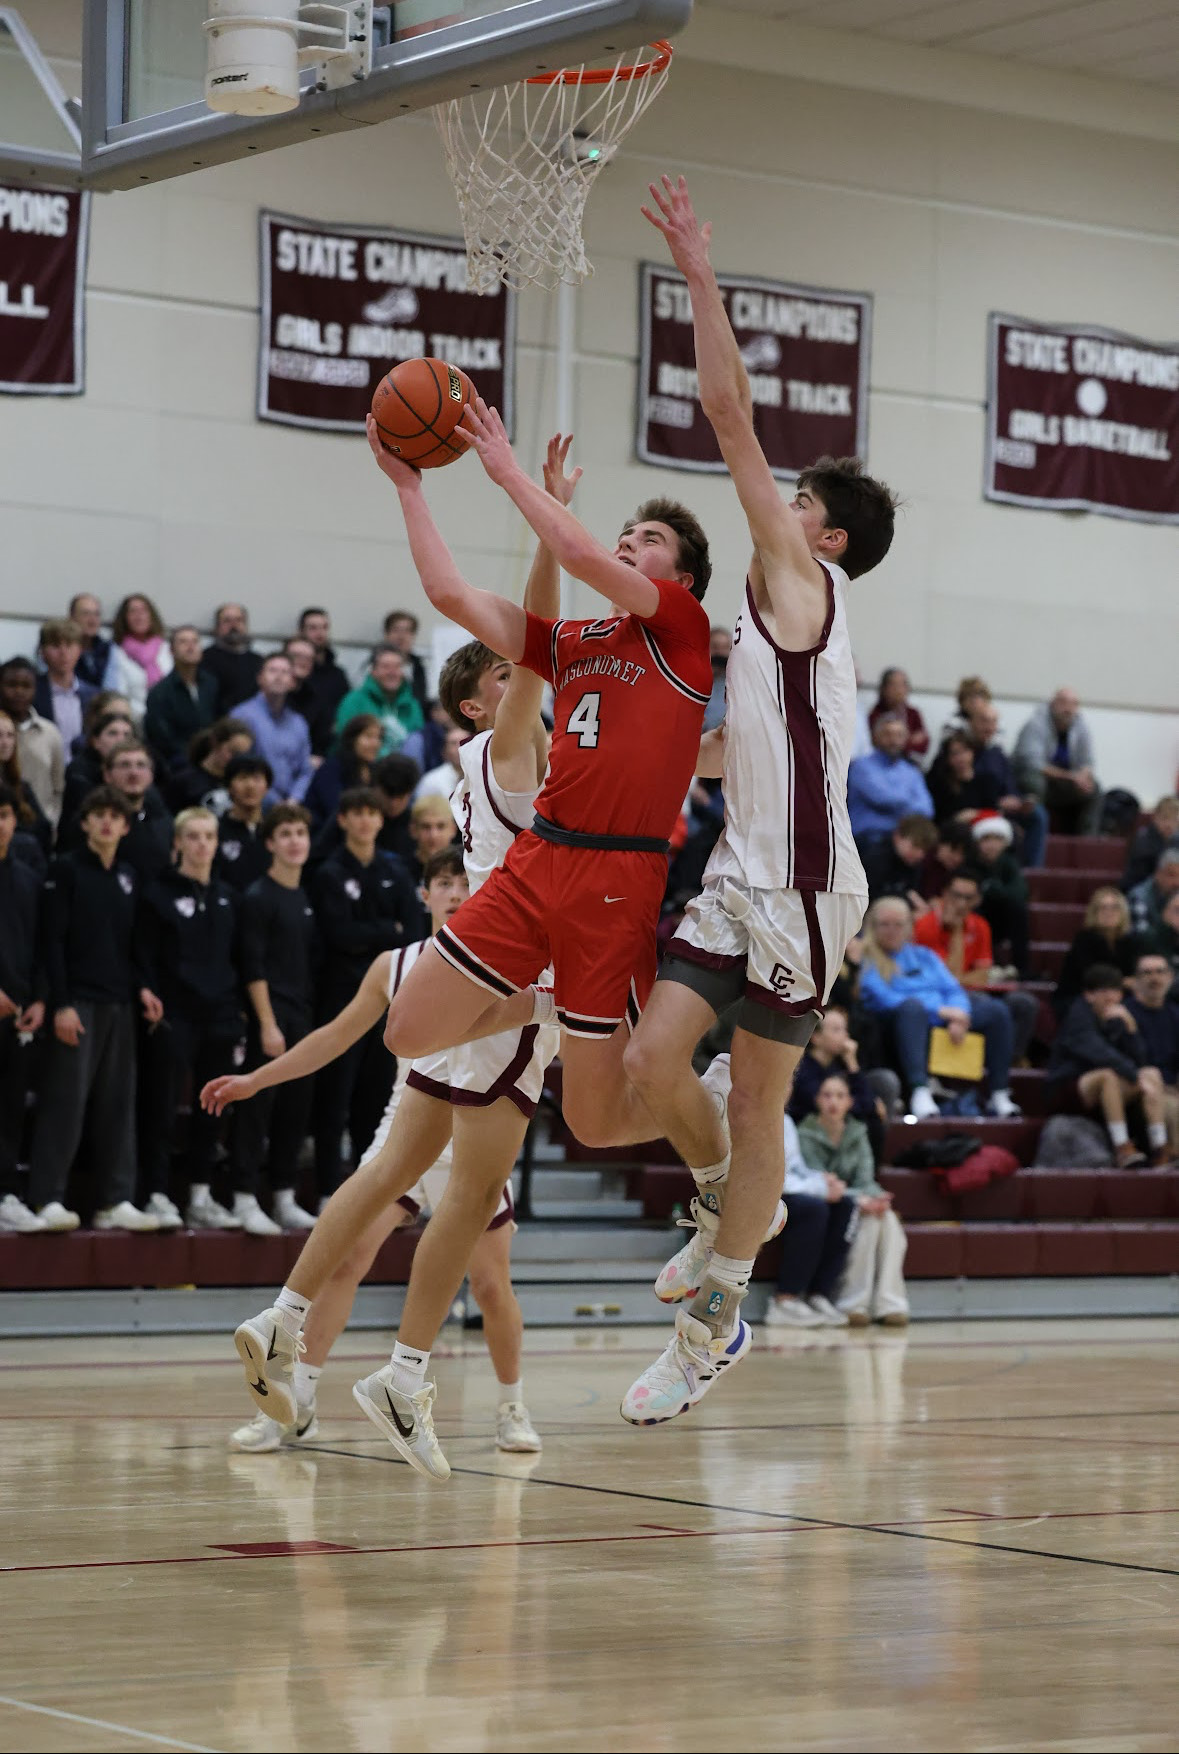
417	407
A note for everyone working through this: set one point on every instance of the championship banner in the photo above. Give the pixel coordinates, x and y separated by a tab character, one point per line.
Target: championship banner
806	353
42	290
343	304
1082	419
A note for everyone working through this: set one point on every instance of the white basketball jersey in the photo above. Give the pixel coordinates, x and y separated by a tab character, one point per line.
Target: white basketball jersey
488	817
790	725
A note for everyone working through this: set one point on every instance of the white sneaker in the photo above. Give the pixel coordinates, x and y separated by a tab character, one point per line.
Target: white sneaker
1004	1105
289	1213
791	1312
514	1430
406	1420
252	1218
268	1353
718	1082
17	1220
684	1371
206	1214
55	1216
166	1215
683	1273
264	1434
922	1105
827	1312
124	1216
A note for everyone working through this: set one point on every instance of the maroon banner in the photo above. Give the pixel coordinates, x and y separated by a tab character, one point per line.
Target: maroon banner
42	290
1082	419
806	353
342	304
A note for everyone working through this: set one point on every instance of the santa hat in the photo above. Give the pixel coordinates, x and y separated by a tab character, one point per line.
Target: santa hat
996	825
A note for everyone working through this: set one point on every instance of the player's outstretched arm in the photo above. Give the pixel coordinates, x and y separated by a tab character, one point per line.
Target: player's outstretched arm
315	1050
497	622
568	540
519	745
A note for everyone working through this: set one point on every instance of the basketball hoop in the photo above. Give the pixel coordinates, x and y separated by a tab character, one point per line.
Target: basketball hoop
524	157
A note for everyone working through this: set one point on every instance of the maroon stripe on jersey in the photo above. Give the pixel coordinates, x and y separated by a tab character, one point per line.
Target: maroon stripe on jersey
507	1216
557	626
496	811
768	636
818	948
416	1080
810	836
410	1205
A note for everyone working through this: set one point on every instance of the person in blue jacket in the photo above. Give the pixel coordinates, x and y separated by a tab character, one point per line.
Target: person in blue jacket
913	991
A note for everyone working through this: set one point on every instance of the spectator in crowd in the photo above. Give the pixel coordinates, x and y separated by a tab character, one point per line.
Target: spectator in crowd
85	770
242	853
1004	890
140	653
395	780
107	700
884	786
202	780
872	1287
147	846
400	631
42	752
426	746
958	789
320	718
1023	809
31	820
954	930
1151	841
972	691
720	646
59	695
1148	898
352	765
85	611
433	827
1166	939
230	660
365	903
953	848
1099	1055
279	956
1105	936
822	1216
895	863
329	681
181	703
831	1049
387	692
187	933
1054	763
893	697
22	1008
94	983
280	733
1157	1017
441	780
914	991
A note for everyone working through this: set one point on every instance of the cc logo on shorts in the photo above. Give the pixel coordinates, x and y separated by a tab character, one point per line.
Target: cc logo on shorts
781	978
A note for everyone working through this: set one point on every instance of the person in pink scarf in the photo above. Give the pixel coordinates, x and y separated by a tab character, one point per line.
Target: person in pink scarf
140	653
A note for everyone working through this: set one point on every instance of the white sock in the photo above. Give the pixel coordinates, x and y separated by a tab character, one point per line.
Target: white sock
306	1377
511	1391
1119	1132
198	1194
712	1173
734	1275
292	1310
1156	1132
409	1368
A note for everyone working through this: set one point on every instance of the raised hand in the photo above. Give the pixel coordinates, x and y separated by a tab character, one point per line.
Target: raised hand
482	429
687	239
218	1093
402	475
557	483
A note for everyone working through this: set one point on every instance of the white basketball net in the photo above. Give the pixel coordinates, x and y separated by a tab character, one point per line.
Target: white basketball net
523	159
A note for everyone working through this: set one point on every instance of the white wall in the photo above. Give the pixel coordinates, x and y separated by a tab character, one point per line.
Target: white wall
943	206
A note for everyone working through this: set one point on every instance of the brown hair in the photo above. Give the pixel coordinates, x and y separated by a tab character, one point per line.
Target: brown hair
971	686
694	555
106	798
280	814
447	863
919	829
360	798
60	632
856	502
10	775
119	624
461	675
1095	901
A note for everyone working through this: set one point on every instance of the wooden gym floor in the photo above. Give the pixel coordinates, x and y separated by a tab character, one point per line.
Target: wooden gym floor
960	1537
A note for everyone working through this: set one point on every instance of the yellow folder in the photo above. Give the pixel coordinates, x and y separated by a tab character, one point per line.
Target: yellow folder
948	1061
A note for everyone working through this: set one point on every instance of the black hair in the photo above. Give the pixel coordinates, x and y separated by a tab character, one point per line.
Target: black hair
1101	977
247	764
360	798
397	775
447	863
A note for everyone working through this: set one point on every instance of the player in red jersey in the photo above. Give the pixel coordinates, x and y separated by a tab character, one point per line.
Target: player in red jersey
583	888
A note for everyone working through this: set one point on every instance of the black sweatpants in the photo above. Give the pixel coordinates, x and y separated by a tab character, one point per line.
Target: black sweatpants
815	1244
351	1092
16	1071
268	1131
180	1055
92	1085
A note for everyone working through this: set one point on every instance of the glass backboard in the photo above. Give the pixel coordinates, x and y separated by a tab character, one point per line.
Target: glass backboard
144	117
38	134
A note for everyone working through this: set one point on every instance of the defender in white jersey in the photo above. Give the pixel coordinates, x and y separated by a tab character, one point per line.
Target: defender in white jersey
784	891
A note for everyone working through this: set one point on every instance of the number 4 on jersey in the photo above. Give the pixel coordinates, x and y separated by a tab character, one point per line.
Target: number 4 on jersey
584	721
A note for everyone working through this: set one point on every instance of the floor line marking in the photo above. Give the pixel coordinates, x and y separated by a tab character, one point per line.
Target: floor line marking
99	1723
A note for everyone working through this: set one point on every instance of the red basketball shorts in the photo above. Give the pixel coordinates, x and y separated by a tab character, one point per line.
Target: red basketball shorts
591	913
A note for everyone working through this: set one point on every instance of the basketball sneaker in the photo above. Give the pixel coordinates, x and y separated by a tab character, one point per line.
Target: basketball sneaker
17	1220
827	1312
165	1213
55	1216
683	1273
124	1216
514	1430
406	1420
268	1352
263	1434
684	1371
792	1312
253	1220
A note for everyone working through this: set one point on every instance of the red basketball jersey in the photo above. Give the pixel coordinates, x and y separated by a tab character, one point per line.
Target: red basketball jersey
630	695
